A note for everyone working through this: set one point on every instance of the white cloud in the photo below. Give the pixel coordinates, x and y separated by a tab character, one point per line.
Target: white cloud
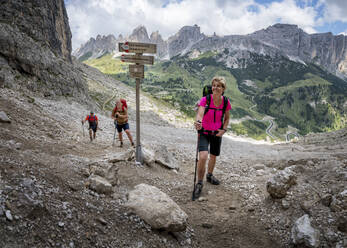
91	17
335	10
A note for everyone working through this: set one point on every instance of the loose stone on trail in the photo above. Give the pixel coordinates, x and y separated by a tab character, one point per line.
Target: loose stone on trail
4	118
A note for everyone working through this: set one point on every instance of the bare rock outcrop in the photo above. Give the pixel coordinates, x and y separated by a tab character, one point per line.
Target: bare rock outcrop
162	48
96	47
139	34
35	48
184	40
51	28
157	208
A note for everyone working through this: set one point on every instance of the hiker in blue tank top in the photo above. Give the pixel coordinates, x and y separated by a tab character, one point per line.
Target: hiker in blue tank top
212	121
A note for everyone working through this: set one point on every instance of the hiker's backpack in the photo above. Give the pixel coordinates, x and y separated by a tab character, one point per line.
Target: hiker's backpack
92	119
124	105
207	90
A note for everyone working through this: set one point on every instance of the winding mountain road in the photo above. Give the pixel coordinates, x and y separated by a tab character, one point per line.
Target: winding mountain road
269	129
292	133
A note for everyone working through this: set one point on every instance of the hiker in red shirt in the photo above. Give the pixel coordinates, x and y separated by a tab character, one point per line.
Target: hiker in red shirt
120	117
93	124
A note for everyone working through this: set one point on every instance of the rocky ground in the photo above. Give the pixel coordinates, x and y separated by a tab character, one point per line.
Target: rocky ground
46	199
58	189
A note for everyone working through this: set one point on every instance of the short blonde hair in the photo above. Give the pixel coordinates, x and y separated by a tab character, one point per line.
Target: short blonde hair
220	80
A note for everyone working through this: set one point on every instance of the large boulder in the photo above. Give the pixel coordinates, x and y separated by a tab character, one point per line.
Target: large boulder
157	208
148	156
109	171
280	183
165	158
304	234
99	184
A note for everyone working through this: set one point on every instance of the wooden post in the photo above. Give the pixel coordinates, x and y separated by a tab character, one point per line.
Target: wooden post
137	71
139	156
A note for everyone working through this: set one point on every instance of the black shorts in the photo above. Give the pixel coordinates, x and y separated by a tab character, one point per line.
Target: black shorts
212	140
93	127
120	127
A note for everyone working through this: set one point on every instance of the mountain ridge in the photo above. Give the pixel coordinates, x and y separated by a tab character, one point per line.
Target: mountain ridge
324	49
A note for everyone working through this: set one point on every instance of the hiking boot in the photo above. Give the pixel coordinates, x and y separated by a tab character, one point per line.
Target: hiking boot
197	190
211	179
121	144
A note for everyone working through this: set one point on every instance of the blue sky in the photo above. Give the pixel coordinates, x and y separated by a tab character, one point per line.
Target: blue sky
88	18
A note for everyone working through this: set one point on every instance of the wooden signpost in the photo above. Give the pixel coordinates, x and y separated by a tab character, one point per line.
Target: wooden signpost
139	59
137	71
135	47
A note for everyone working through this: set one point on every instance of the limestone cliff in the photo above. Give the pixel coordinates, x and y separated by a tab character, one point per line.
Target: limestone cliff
35	48
45	21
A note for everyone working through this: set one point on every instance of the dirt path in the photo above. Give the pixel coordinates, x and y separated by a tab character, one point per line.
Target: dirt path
43	160
54	152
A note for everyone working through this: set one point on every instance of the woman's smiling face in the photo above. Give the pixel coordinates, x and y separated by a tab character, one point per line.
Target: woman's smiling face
217	87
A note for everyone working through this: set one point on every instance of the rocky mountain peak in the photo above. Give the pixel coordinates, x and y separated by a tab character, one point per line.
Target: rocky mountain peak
186	37
161	44
287	40
155	36
283	26
139	34
96	47
191	32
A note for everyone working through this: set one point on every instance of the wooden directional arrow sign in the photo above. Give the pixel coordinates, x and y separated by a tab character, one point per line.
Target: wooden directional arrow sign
136	71
139	59
136	47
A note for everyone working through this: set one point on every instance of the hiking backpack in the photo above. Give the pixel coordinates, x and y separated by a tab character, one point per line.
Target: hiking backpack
92	119
124	105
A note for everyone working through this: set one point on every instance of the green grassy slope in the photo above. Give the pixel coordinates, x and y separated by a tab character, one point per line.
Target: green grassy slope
303	96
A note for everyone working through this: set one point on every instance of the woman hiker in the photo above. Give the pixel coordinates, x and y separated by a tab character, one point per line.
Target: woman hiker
211	127
120	117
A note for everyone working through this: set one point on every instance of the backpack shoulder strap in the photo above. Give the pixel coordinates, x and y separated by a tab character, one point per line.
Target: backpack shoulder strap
225	104
208	102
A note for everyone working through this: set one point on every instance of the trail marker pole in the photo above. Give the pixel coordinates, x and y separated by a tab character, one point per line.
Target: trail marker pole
137	71
139	155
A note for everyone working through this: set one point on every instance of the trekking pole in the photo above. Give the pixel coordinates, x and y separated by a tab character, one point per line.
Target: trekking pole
83	128
114	135
196	165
